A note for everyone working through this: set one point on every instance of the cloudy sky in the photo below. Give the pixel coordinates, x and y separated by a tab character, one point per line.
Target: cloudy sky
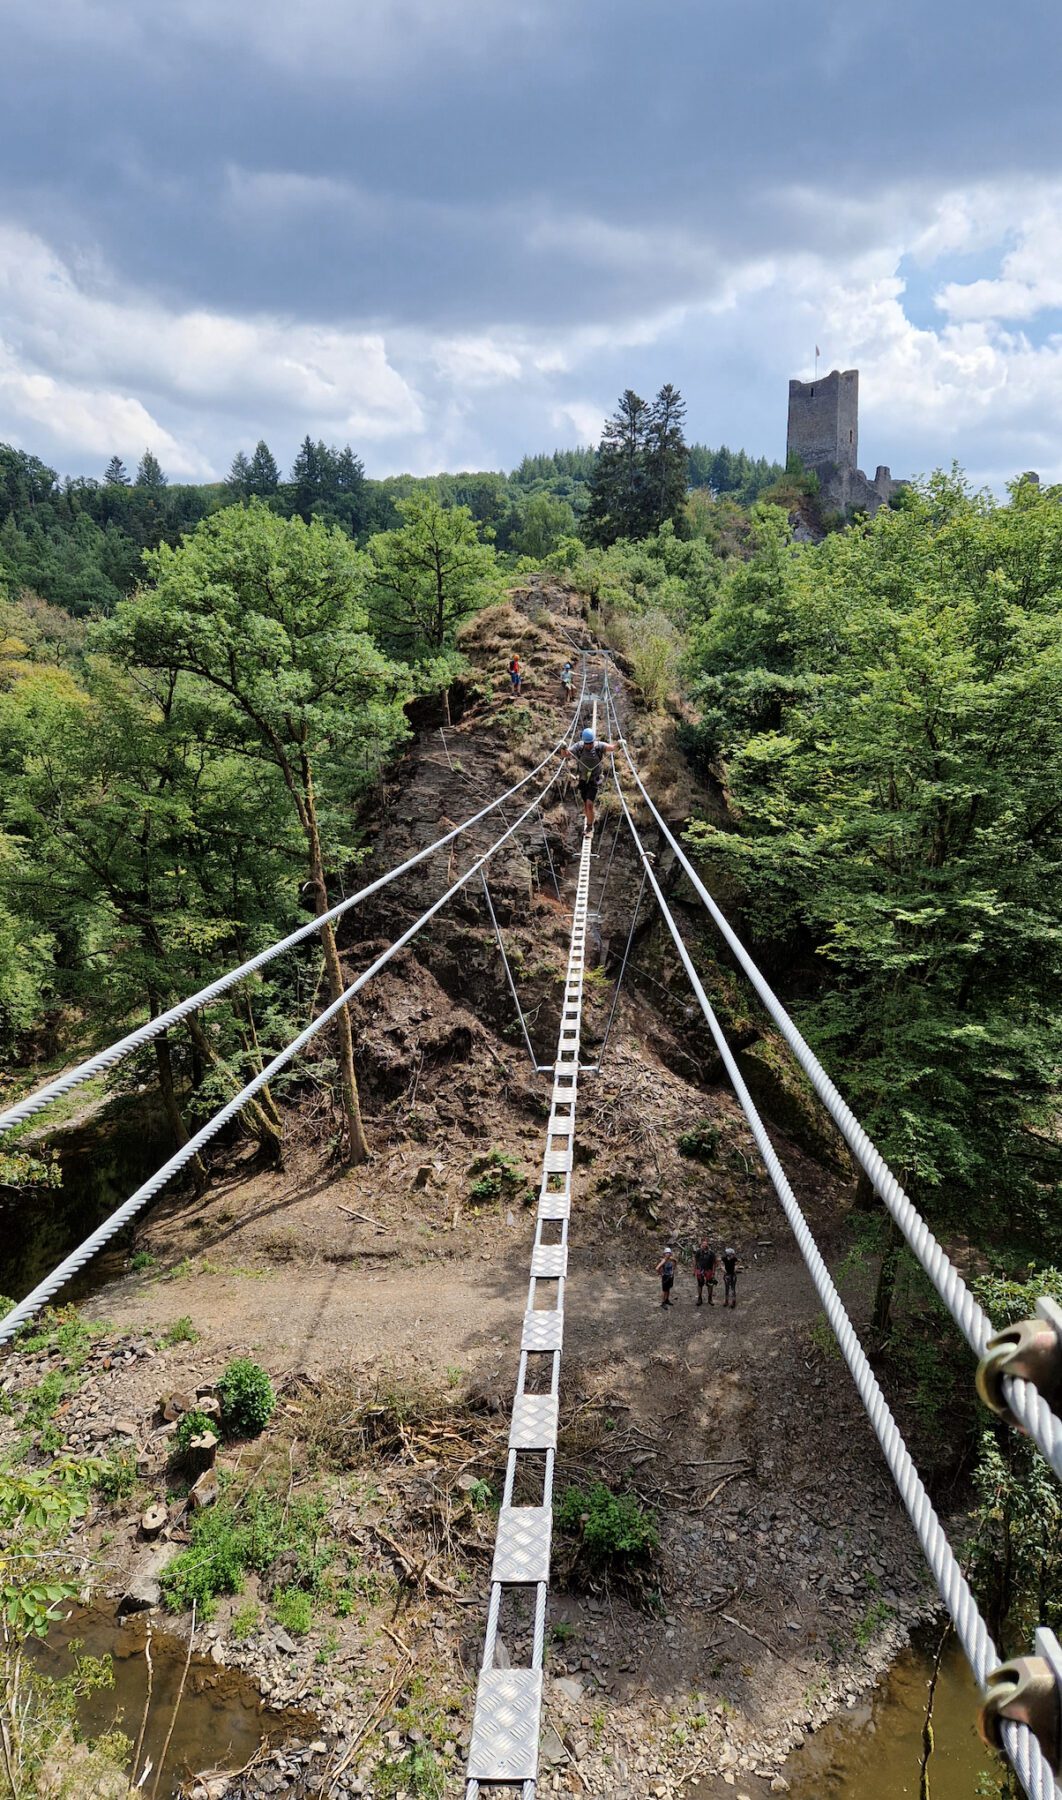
450	231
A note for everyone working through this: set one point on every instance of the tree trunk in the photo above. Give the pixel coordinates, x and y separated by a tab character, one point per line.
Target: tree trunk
164	1067
357	1149
253	1116
881	1318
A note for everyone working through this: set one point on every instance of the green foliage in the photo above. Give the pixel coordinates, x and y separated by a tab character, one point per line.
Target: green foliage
247	1398
427	575
418	1773
499	1178
250	1533
182	1331
875	1618
701	1142
189	1425
641	473
116	1478
246	1621
874	699
614	1529
38	1507
293	1608
141	1260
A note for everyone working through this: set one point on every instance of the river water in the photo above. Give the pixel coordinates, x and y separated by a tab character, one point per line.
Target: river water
222	1719
874	1752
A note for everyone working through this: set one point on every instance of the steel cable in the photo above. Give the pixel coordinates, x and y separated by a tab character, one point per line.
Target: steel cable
1023	1749
1028	1405
107	1059
50	1286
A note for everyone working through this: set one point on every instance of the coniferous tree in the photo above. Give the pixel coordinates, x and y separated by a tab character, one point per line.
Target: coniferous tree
307	477
666	460
240	476
116	474
618	491
263	476
149	474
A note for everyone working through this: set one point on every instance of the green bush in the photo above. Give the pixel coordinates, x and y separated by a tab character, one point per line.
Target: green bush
614	1528
115	1479
418	1773
189	1425
499	1177
182	1331
702	1142
227	1541
293	1609
214	1563
247	1398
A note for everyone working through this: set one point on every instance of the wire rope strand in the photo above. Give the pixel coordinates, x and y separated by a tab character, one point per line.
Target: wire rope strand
623	971
77	1259
508	970
1028	1405
1023	1749
107	1059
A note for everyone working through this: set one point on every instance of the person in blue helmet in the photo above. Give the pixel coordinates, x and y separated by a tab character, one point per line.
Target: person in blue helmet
589	754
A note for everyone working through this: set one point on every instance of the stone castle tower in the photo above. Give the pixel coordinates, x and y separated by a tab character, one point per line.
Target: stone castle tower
824	434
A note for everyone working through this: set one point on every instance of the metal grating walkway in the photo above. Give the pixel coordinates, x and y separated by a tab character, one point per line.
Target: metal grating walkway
507	1718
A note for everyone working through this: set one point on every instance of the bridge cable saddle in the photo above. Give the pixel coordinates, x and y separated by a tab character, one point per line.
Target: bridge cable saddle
1029	1351
1027	1691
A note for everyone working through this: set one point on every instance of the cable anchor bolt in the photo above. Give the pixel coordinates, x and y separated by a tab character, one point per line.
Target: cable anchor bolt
1029	1351
1027	1691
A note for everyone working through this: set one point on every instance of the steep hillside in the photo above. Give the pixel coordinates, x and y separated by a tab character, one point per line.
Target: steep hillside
387	1302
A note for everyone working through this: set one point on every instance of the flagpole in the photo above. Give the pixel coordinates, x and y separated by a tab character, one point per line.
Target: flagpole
816	362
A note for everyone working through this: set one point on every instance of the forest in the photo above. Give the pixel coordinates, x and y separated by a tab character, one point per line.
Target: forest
199	685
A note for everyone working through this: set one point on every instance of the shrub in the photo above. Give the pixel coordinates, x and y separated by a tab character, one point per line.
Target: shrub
189	1425
115	1479
214	1563
293	1608
499	1177
614	1528
182	1331
142	1259
702	1142
247	1398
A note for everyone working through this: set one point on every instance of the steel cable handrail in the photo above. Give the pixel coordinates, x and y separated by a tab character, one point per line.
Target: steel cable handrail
114	1054
1022	1748
50	1286
1027	1404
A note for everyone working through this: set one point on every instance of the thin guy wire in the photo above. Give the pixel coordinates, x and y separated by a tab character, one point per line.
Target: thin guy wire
508	970
1027	1404
1023	1748
103	1233
623	971
107	1059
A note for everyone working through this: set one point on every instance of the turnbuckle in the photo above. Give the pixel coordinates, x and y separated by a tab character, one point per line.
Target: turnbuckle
1027	1691
1030	1350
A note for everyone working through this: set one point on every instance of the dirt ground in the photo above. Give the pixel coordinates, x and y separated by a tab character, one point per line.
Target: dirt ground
787	1574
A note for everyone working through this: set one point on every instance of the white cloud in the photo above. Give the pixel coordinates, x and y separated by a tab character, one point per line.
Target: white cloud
582	417
96	348
90	421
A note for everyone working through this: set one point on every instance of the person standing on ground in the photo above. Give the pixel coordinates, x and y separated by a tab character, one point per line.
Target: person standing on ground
665	1268
567	681
704	1262
589	755
515	676
730	1275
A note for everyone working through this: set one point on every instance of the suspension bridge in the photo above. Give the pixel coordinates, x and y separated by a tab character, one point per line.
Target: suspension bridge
1019	1371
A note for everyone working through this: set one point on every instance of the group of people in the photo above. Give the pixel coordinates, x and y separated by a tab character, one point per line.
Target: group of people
588	754
706	1266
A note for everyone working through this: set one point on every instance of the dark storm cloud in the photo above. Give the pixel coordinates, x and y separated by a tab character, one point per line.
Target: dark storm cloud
454	169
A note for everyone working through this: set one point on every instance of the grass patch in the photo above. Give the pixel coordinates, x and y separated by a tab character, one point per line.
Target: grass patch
234	1538
182	1331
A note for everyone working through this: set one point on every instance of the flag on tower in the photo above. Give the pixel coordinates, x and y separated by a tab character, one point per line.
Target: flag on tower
818	352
